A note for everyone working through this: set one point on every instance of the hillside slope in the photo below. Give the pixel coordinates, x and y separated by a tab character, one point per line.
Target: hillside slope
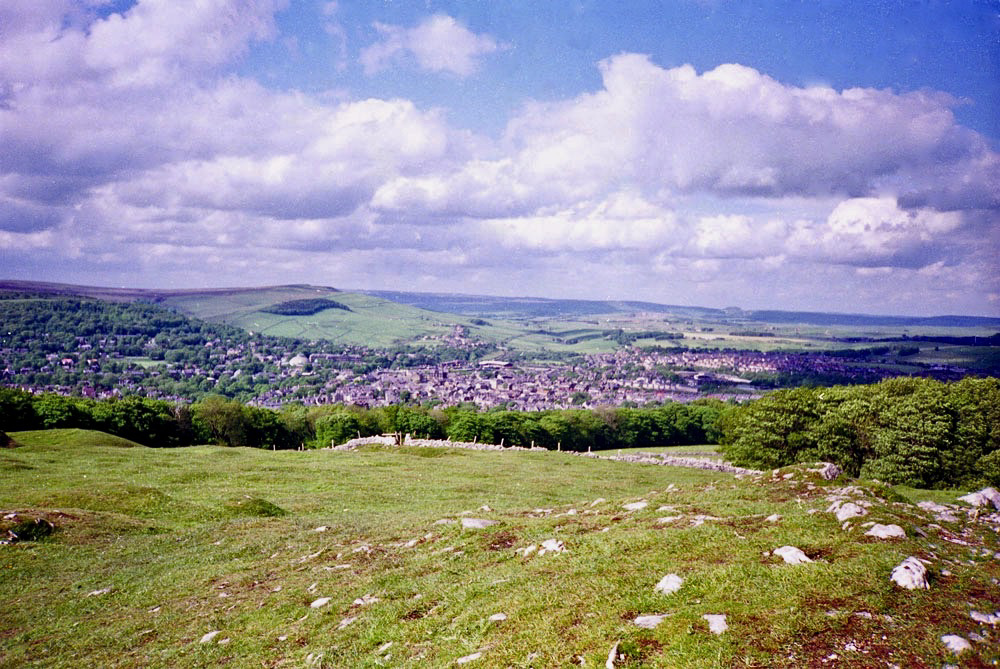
207	556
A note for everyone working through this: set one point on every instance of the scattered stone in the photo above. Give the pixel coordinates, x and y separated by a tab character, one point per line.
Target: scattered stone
716	622
527	550
635	506
910	574
650	621
444	521
365	600
985	497
773	518
384	647
846	510
792	555
942	513
319	603
669	584
345	622
477	523
986	618
485	508
828	471
468	658
321	528
498	617
225	641
95	593
612	656
956	644
668	519
209	636
886	532
551	546
597	501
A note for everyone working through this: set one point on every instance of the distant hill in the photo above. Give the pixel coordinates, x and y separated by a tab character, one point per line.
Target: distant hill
537	307
540	307
253	308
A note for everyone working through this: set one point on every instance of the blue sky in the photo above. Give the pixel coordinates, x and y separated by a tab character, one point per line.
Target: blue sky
796	155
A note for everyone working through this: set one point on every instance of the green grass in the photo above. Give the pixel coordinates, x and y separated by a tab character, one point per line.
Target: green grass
209	538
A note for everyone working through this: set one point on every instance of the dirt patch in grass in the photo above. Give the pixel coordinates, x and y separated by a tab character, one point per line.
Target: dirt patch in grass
78	527
498	541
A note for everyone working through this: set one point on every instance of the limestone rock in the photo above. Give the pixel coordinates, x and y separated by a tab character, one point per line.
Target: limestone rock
910	574
985	618
956	644
551	546
886	532
846	510
792	555
985	497
828	471
716	622
650	621
468	658
612	656
209	636
320	603
773	518
669	584
477	523
635	506
498	617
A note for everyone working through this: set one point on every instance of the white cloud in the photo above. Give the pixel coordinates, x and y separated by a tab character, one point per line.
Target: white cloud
134	155
438	44
875	231
621	222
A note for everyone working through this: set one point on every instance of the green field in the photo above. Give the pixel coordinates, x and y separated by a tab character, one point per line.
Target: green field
155	548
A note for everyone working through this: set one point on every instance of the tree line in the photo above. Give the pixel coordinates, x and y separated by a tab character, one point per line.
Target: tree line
226	421
912	431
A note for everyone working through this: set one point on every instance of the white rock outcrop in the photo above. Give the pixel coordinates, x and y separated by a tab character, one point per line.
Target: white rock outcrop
846	510
669	584
477	523
650	621
956	644
551	546
985	497
635	506
910	574
791	555
985	618
827	470
886	532
716	622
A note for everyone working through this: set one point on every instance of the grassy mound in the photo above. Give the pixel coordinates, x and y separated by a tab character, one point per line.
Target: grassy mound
73	438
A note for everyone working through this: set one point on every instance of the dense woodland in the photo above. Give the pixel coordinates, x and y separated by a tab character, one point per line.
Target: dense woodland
919	432
228	422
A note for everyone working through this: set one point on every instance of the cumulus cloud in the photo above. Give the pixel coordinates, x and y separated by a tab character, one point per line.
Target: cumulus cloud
438	44
130	146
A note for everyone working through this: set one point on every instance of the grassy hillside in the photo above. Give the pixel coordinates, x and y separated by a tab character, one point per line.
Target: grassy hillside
156	548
